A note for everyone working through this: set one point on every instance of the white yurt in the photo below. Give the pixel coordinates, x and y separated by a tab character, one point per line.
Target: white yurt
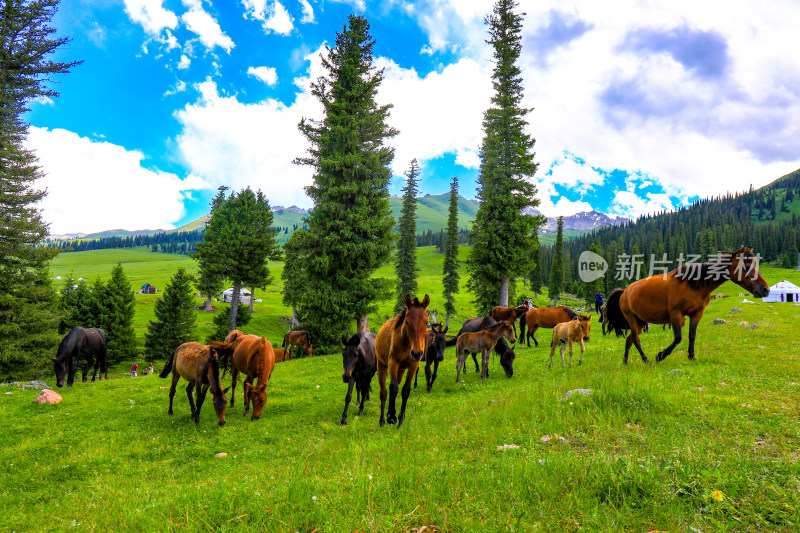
783	291
244	296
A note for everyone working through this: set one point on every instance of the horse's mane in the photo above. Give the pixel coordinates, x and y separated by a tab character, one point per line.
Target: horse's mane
700	275
67	344
570	313
308	339
213	365
399	319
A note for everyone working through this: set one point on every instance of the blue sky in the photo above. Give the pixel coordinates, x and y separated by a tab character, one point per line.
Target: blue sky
637	107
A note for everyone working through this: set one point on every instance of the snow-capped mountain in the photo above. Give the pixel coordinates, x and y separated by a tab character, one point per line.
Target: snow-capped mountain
583	221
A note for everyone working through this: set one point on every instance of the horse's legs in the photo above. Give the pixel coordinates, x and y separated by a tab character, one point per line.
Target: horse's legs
533	335
406	392
485	364
347	399
234	379
561	352
364	386
675	320
382	380
635	331
73	367
415	377
693	322
175	378
189	391
460	360
552	351
249	379
395	374
583	347
86	369
431	377
201	397
475	358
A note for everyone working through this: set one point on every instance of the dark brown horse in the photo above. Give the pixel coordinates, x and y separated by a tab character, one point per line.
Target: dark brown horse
483	342
511	314
86	343
399	347
299	339
360	364
197	364
435	342
686	291
502	348
255	357
543	317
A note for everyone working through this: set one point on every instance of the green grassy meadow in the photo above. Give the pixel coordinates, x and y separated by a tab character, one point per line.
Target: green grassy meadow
710	445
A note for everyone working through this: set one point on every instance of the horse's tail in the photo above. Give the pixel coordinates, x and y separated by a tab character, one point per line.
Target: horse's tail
614	314
454	340
523	322
283	344
168	367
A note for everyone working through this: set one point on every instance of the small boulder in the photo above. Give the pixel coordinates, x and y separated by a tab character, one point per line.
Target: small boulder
736	310
751	326
719	321
582	392
221	454
743	324
48	396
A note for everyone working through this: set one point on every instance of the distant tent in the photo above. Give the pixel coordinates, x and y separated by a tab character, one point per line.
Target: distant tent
244	296
783	291
147	289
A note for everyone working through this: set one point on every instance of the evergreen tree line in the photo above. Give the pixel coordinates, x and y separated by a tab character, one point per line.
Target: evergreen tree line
439	239
178	242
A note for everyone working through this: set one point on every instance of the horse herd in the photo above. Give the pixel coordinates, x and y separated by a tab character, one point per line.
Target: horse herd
406	340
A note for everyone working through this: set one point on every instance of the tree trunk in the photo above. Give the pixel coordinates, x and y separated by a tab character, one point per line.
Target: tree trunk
207	305
252	297
504	293
294	322
237	288
363	324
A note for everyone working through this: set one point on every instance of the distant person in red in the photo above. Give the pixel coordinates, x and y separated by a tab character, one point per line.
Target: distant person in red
134	368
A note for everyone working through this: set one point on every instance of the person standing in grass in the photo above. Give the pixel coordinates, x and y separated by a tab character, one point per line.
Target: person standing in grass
598	303
134	369
150	369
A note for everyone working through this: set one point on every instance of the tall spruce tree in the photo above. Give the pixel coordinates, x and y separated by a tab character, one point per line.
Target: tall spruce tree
28	305
406	263
535	278
175	318
239	241
557	268
77	305
350	229
116	302
293	273
503	235
450	276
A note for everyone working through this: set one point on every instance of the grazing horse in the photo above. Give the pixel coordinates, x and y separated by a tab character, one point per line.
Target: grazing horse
435	342
197	364
399	346
281	355
603	319
481	341
670	298
543	317
576	330
255	357
509	313
299	339
89	343
502	347
359	363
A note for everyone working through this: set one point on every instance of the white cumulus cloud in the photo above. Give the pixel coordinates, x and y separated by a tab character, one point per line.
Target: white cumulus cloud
308	12
207	29
273	15
266	74
151	15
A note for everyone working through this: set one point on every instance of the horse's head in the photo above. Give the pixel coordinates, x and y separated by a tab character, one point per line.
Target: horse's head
258	395
586	325
308	349
437	341
350	356
507	361
60	368
743	271
415	324
508	331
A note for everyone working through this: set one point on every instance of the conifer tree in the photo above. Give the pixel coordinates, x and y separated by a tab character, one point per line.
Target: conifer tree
293	273
502	234
116	302
28	305
350	228
175	318
450	275
557	268
406	263
535	278
77	305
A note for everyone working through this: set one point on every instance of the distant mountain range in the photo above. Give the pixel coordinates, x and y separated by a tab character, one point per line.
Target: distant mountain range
432	210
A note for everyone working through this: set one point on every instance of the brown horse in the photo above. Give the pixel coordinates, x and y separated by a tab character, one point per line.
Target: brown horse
543	317
483	342
399	347
281	355
566	333
197	364
511	314
435	342
255	357
686	291
299	339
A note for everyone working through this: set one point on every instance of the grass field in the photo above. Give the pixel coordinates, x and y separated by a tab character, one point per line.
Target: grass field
677	446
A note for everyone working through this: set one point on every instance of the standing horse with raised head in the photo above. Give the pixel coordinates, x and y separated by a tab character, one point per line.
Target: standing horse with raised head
502	348
359	363
435	342
197	364
88	343
566	333
399	346
299	339
670	298
511	314
255	357
543	317
483	342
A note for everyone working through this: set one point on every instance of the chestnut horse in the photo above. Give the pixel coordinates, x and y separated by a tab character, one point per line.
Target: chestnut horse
435	342
670	298
483	342
543	317
502	347
87	343
566	333
197	364
508	313
255	357
299	339
281	355
359	364
399	346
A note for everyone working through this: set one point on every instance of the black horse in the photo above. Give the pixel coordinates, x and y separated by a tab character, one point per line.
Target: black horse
502	348
435	342
360	364
89	343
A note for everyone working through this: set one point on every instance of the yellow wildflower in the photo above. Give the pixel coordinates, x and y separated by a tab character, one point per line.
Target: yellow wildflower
717	495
